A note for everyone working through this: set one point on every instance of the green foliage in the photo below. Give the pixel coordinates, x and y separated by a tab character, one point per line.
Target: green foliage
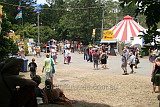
26	47
7	46
6	25
71	20
149	8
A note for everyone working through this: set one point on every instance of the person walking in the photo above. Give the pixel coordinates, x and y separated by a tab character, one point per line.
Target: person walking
49	67
156	74
32	68
103	59
38	51
67	56
95	59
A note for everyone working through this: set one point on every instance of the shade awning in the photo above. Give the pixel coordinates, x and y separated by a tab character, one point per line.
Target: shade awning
108	41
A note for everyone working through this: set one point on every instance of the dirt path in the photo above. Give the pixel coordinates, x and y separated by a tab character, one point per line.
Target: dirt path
101	88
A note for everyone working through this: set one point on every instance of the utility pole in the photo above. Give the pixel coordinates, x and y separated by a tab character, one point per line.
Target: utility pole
38	26
102	20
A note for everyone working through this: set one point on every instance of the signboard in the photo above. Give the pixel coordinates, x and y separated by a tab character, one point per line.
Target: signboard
93	33
108	35
17	38
11	35
21	44
131	38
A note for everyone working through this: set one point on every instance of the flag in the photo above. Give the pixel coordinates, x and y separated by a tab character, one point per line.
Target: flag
1	13
19	15
19	8
37	8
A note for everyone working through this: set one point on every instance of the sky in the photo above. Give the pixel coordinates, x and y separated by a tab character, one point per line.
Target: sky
44	1
41	1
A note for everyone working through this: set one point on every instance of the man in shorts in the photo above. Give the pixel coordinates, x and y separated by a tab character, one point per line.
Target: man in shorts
95	59
32	68
48	67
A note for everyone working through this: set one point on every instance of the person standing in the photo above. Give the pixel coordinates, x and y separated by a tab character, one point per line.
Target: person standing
103	58
32	68
22	52
131	61
38	51
34	50
156	74
95	59
124	62
54	53
90	55
48	66
67	56
85	53
72	48
136	55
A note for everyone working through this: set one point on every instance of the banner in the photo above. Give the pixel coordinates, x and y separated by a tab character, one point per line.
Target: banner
37	8
1	13
11	35
17	38
19	15
93	33
108	35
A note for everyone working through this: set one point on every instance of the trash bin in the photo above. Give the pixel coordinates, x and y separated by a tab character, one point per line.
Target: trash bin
25	65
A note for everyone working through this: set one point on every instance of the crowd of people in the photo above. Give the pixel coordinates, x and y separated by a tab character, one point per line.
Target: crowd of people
97	55
130	57
20	92
29	88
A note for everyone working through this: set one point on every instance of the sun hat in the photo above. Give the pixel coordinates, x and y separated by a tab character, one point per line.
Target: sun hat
12	62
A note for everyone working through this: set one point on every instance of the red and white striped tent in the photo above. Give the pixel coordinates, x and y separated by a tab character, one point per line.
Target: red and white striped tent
126	29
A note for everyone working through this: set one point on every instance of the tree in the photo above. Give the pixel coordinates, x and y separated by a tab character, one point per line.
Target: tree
149	8
10	7
7	46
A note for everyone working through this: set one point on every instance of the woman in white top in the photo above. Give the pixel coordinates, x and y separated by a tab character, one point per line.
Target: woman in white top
54	53
67	56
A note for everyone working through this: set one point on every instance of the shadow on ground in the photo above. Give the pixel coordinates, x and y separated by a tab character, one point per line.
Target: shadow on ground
78	104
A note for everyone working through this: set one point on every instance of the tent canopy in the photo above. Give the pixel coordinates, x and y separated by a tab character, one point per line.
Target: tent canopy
108	41
126	29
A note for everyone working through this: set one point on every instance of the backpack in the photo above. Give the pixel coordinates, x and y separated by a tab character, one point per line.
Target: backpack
103	56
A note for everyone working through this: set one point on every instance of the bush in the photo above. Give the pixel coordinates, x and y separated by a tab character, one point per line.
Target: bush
7	46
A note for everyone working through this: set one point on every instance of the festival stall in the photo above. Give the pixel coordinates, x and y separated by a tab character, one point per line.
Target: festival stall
126	31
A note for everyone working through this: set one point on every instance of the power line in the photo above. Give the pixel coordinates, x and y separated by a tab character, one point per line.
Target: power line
51	8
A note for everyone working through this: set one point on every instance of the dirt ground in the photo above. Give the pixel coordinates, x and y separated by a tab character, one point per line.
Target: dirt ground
101	88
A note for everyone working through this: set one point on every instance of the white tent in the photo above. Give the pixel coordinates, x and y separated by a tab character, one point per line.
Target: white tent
128	30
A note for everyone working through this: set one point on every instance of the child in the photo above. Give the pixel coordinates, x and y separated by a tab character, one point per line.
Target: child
55	95
40	94
32	68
